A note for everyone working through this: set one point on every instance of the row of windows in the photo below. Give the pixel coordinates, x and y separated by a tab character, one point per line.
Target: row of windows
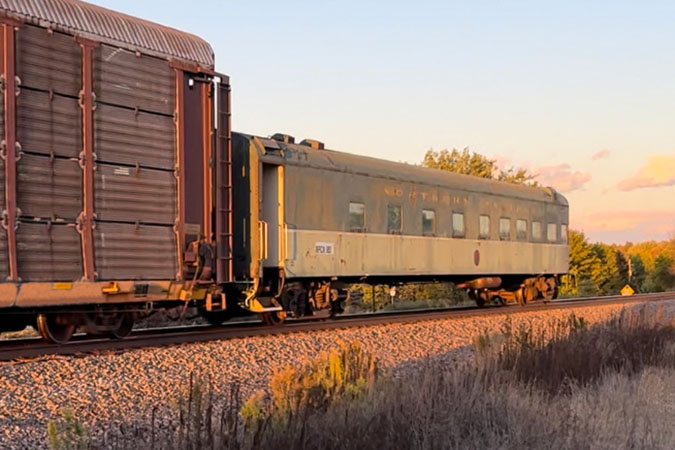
357	222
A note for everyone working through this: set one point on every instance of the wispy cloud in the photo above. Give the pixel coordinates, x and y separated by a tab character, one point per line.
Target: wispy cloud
602	154
658	171
655	223
562	177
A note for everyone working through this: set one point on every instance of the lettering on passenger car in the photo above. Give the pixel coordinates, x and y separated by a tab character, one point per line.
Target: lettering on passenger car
324	248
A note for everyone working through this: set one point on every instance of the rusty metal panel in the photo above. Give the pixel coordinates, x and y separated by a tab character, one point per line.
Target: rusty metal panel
49	124
129	252
133	80
49	61
48	252
127	194
4	261
49	188
118	29
124	136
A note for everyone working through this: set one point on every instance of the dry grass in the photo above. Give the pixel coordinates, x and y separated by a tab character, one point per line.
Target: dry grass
569	386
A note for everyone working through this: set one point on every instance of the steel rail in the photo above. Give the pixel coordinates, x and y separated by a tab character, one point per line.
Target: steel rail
29	349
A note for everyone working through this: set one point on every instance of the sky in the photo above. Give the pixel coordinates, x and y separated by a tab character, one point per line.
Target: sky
580	93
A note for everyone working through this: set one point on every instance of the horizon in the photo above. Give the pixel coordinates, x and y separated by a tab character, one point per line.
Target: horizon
577	93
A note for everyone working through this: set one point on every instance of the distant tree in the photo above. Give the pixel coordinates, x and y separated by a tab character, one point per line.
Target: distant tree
661	277
610	273
471	163
638	273
583	261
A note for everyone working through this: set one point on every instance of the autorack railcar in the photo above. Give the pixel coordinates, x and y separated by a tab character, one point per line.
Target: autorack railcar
125	191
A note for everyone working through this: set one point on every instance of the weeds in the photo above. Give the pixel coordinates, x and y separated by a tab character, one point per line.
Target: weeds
67	432
567	386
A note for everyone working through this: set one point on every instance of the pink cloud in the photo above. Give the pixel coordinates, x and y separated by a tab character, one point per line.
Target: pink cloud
562	177
602	154
658	171
656	224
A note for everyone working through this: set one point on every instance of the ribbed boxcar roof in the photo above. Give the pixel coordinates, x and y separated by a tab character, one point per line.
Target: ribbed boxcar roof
101	24
365	165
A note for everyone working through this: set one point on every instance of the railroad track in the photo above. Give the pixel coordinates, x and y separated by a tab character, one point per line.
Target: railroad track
27	349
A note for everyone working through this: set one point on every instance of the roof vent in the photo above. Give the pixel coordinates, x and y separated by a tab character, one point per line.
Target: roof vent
314	144
285	138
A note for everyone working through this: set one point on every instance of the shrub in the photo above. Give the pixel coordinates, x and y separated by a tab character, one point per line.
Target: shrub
67	432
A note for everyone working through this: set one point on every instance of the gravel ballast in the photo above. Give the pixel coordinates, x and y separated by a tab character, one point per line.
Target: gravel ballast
111	386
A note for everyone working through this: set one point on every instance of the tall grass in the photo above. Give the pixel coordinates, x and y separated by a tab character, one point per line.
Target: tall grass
567	386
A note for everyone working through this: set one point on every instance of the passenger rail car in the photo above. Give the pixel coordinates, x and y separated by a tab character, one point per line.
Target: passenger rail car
328	218
124	191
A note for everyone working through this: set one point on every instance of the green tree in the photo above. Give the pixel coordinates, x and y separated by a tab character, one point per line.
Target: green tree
583	261
471	163
638	272
661	277
610	274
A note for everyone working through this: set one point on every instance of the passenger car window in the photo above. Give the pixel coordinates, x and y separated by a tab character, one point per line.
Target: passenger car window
504	229
537	231
458	230
357	216
552	232
484	227
521	229
428	222
394	225
564	234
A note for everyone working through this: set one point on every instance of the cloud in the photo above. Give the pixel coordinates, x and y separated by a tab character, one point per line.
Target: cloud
625	225
659	171
562	177
602	154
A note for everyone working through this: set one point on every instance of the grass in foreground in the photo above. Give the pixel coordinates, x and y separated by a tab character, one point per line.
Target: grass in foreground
569	386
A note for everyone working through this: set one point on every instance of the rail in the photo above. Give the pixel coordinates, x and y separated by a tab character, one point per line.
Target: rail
27	349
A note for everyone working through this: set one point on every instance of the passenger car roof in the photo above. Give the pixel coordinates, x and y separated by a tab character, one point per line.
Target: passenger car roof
304	155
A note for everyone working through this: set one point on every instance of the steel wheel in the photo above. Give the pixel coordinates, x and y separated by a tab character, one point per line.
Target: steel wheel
273	318
125	326
55	328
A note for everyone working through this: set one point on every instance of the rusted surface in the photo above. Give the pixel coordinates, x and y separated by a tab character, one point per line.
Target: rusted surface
86	220
207	158
135	252
124	136
49	124
102	24
49	188
48	252
48	60
9	150
4	263
127	194
180	172
132	80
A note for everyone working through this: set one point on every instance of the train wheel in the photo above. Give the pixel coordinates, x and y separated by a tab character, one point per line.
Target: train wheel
55	328
520	296
125	327
273	318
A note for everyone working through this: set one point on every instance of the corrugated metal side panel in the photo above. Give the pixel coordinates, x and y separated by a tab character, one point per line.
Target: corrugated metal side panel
4	262
124	79
113	27
49	61
48	253
123	136
2	138
130	252
49	126
49	188
124	194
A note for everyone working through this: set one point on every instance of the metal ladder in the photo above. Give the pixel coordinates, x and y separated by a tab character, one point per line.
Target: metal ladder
224	207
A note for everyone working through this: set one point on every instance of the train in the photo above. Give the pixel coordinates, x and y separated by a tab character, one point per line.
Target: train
126	191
